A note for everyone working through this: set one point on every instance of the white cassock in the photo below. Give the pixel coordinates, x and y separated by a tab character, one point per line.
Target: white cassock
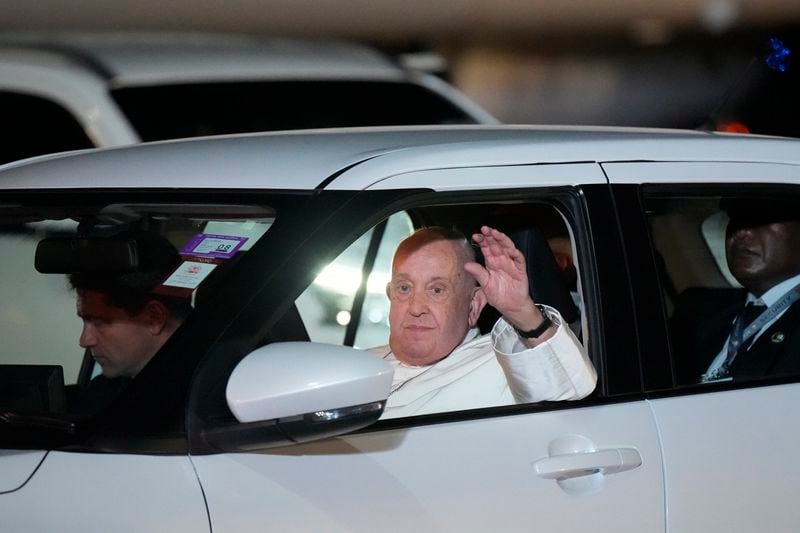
492	370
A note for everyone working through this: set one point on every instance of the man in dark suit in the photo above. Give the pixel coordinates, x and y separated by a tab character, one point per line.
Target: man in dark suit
754	332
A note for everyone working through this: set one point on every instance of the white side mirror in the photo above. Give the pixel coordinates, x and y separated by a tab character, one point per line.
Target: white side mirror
290	392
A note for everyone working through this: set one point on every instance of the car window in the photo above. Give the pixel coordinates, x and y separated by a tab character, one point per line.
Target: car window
722	257
38	126
327	306
191	110
539	230
61	261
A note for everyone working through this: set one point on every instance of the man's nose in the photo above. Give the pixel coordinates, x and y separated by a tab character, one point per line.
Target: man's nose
87	339
418	302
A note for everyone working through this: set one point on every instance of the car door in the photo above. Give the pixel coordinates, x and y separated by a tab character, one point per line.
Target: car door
558	466
729	446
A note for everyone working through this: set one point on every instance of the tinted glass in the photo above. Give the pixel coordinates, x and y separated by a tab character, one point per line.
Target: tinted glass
722	258
191	110
36	126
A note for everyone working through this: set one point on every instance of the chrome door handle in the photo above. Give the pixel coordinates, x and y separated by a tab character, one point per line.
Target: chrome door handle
571	465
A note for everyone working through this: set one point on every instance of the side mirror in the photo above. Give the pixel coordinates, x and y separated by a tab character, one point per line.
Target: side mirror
291	392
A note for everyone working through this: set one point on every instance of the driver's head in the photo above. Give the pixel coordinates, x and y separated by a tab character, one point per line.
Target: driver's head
124	323
433	300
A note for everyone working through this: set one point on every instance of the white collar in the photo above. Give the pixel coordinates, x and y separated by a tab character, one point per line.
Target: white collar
776	292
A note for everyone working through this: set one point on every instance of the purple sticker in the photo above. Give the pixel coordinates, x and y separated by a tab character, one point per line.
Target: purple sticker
218	246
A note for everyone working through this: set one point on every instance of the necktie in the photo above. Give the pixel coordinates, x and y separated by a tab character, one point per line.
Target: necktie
736	343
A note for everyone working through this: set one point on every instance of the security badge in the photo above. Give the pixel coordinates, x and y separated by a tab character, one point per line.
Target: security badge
777	337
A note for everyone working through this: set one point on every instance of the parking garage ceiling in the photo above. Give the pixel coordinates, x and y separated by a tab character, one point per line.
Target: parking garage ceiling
390	21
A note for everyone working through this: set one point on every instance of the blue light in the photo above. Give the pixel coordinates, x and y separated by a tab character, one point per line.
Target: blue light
778	56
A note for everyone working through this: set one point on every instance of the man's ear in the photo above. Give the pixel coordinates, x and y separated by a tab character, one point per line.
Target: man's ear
476	305
156	316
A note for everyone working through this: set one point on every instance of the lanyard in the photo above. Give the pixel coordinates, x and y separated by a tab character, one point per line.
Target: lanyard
740	335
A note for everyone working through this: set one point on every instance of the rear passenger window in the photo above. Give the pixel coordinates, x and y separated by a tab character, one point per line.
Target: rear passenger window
730	278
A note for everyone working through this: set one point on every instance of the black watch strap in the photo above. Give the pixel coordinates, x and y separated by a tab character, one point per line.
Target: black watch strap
535	333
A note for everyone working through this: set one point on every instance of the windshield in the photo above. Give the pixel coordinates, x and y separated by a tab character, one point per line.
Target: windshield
90	293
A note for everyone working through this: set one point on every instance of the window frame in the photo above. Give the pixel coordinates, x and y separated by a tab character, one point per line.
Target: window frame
589	213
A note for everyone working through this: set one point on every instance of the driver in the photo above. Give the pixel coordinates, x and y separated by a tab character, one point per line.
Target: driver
124	322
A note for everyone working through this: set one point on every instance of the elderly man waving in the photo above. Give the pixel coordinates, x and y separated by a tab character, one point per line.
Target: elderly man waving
441	362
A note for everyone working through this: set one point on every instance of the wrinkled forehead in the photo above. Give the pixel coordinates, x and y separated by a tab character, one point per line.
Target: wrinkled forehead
429	259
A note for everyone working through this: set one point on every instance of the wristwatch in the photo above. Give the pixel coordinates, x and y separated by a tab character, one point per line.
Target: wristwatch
536	332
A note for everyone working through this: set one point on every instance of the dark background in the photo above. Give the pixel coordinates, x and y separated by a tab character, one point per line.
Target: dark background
661	63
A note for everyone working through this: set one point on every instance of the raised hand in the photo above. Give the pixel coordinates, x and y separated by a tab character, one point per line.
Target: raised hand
504	279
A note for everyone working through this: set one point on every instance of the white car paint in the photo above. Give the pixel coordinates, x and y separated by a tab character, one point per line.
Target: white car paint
17	467
77	492
730	459
462	476
364	156
274	381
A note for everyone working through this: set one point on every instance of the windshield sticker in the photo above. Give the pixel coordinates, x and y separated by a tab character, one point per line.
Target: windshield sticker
190	274
213	246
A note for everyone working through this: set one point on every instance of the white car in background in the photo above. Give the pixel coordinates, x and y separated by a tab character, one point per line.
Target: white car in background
67	91
630	209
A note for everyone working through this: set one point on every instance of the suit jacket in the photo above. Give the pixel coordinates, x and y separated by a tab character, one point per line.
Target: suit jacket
700	327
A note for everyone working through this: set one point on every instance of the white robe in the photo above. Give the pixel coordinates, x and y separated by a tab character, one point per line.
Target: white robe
492	370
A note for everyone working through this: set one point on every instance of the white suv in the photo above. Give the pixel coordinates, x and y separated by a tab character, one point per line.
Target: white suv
619	228
63	92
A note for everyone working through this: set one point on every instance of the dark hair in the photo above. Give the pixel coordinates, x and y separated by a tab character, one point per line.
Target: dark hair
131	291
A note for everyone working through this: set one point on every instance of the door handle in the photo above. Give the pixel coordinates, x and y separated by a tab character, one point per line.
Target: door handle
571	465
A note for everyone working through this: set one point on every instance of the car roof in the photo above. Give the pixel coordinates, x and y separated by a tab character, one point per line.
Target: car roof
310	159
140	58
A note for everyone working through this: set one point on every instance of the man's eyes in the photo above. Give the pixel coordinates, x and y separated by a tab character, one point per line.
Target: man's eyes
437	292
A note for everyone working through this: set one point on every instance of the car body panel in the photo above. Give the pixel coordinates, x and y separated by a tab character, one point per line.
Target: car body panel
461	476
730	459
705	172
269	160
493	177
107	492
17	466
719	446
